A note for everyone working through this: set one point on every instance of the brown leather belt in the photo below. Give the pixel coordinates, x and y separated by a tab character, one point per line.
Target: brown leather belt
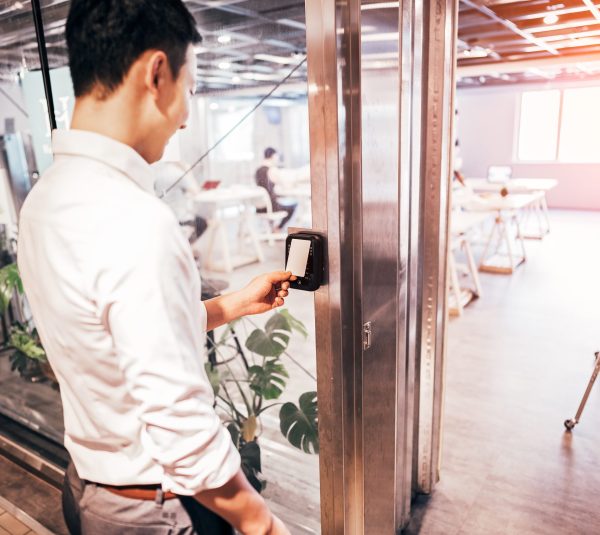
140	492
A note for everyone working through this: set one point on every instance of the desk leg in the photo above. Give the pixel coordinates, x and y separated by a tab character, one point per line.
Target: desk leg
521	239
544	205
489	243
472	267
454	283
211	234
248	222
227	265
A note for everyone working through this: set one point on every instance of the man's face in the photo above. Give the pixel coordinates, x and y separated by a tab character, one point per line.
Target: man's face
174	102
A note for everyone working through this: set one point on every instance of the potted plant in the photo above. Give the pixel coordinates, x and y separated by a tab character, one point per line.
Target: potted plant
26	354
247	382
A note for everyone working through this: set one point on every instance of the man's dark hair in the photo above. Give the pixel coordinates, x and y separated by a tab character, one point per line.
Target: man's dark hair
105	38
269	151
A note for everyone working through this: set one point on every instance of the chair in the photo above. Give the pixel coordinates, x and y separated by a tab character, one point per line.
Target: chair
265	212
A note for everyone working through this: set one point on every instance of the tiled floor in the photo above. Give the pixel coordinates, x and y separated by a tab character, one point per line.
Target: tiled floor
10	525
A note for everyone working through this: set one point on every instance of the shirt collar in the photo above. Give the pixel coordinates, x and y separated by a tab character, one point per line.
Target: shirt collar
104	149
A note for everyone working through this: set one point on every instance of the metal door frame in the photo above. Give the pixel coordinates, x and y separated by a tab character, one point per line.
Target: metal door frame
427	30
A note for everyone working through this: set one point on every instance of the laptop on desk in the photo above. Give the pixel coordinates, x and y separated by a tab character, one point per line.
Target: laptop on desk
499	174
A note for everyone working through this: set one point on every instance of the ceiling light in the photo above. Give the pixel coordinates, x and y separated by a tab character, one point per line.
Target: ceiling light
378	37
200	49
224	39
476	52
18	5
224	65
551	18
281	60
213	106
236	79
379	5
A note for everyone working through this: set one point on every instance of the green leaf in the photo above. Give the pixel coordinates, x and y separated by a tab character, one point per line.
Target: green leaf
213	376
10	280
273	340
295	324
268	380
251	465
27	343
300	425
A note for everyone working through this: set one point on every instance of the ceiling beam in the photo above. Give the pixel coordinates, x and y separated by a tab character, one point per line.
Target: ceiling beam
511	26
592	7
524	65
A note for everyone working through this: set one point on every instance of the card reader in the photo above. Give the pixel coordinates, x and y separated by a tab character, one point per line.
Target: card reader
304	257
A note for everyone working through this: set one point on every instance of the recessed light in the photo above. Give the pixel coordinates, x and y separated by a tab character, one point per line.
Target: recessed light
213	106
551	18
236	79
224	39
224	65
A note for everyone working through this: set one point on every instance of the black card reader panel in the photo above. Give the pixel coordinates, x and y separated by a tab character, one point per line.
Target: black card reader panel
315	267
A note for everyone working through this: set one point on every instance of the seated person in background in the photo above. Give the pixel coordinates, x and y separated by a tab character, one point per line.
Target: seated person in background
267	177
178	197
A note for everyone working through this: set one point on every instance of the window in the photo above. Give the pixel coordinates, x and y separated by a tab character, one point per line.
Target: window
580	125
237	146
538	129
560	126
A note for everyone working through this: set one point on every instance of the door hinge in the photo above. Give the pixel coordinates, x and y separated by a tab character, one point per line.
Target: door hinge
367	335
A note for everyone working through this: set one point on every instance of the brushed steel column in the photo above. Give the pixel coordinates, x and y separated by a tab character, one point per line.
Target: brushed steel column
439	59
334	114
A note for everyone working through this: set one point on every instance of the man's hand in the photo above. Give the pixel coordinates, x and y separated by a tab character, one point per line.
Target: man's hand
278	527
266	292
245	509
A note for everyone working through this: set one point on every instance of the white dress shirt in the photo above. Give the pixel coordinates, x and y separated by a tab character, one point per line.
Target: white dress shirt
115	295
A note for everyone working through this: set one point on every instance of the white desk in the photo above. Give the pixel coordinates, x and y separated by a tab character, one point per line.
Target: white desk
461	226
230	204
506	210
537	210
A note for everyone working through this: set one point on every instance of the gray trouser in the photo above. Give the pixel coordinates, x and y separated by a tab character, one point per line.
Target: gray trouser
90	509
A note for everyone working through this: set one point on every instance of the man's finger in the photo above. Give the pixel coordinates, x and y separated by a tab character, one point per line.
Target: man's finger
282	293
278	276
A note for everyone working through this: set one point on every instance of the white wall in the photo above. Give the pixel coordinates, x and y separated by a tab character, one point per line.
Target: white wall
487	133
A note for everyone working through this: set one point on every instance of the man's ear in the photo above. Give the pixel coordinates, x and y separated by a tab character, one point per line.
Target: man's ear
157	71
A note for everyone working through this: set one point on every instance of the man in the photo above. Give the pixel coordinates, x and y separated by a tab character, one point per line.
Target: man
267	176
115	292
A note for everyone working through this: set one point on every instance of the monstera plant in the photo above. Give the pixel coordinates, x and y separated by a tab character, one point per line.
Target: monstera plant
27	356
249	381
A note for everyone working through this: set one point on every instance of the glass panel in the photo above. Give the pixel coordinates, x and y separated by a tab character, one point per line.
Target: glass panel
237	230
27	393
580	125
538	128
248	48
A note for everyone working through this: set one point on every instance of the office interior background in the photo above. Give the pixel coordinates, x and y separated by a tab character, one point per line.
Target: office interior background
487	111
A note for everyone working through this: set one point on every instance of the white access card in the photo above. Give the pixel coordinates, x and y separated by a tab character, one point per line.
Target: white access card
298	257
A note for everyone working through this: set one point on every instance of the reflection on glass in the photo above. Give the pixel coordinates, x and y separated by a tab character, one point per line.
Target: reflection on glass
236	227
245	193
27	394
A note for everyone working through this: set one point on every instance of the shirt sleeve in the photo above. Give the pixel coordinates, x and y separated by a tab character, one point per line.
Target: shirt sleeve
158	324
